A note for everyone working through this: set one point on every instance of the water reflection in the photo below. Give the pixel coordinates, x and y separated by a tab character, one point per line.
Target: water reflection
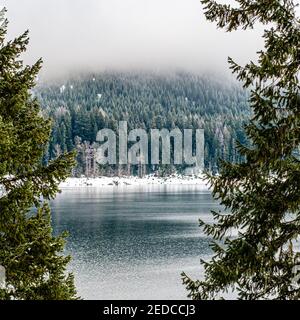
133	242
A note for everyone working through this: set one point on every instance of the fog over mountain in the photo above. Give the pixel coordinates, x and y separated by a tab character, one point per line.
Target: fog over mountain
96	35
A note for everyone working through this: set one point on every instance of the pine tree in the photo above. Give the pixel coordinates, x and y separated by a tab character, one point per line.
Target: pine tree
32	256
262	194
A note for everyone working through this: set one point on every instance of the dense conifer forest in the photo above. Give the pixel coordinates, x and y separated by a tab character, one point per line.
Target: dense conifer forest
82	105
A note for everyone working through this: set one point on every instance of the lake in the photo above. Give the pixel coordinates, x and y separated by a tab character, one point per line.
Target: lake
133	242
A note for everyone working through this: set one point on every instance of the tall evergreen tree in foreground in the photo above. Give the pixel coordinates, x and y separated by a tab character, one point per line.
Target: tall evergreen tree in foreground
31	255
263	193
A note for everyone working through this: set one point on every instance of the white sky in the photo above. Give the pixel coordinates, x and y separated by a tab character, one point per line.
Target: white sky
94	35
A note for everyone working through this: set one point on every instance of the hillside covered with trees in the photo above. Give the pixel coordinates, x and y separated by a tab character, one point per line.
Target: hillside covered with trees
82	105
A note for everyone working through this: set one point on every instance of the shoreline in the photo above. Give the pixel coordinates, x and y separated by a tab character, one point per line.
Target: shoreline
128	181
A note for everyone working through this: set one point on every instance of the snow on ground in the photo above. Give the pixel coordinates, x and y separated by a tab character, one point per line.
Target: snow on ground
134	181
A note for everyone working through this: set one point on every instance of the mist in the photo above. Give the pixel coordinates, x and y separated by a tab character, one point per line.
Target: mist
97	35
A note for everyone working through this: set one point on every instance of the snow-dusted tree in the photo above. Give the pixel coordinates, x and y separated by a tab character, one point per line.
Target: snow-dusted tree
263	193
32	256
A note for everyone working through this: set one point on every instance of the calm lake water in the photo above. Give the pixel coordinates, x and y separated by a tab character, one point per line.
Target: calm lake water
133	242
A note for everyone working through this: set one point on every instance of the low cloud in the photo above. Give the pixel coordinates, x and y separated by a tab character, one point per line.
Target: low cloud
96	35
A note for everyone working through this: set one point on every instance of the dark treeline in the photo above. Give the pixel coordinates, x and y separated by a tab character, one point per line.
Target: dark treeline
83	105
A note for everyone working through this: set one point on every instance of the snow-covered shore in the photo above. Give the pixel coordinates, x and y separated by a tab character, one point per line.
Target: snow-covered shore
134	181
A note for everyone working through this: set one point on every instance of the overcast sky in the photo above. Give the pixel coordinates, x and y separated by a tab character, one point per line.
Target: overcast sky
95	35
